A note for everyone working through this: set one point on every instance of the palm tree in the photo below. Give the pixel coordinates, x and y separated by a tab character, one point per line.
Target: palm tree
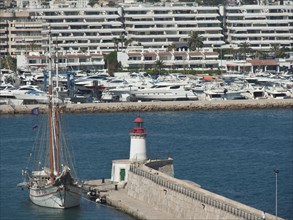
116	43
277	50
111	61
259	54
122	40
195	41
128	42
244	48
32	46
159	65
93	2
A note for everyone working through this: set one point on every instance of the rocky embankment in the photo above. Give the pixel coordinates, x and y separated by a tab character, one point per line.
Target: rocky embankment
155	106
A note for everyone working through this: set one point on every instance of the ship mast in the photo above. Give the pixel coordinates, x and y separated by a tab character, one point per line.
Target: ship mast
57	162
53	121
50	92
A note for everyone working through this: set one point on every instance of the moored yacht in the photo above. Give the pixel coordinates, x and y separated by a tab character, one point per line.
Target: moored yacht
214	94
278	92
164	92
254	92
24	94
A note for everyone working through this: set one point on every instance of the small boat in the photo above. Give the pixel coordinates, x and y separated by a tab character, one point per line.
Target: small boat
51	179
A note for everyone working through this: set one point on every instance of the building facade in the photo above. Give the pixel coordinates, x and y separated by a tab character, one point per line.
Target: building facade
20	33
100	30
160	27
182	59
262	26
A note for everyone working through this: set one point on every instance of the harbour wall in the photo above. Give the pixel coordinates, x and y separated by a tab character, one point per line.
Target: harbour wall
184	200
155	106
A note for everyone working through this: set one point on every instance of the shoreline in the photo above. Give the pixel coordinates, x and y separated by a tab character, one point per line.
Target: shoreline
155	106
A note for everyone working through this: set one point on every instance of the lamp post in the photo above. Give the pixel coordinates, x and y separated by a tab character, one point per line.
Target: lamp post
276	171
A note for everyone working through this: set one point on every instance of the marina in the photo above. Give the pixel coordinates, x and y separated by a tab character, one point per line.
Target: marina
146	110
139	87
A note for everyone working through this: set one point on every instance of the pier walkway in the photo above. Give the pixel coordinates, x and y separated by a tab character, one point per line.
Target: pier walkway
121	200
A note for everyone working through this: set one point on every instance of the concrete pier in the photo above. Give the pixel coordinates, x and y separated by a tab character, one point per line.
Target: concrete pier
151	194
156	106
118	198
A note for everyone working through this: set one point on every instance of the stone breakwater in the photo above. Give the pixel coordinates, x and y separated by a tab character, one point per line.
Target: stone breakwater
155	106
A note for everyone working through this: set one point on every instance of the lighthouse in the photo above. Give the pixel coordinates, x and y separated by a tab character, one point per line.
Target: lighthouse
138	151
138	155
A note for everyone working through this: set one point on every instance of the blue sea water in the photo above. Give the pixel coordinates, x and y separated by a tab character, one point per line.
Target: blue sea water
232	153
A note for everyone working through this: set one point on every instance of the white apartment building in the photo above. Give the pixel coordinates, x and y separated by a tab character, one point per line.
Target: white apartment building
182	59
19	33
84	30
261	26
80	30
158	27
51	3
65	62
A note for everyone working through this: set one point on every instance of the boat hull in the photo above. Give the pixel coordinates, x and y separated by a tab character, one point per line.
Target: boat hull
56	197
166	96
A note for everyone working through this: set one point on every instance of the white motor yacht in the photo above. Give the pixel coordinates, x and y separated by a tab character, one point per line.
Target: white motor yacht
164	92
254	92
214	94
278	92
27	94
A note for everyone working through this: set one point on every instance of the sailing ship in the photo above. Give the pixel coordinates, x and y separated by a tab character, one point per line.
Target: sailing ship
52	180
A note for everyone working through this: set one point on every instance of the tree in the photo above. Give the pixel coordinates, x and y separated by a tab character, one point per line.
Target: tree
278	51
128	42
93	2
111	3
32	46
244	49
111	62
159	65
116	43
8	62
122	40
195	41
259	54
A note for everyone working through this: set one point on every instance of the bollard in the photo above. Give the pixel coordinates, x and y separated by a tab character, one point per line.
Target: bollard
116	187
103	180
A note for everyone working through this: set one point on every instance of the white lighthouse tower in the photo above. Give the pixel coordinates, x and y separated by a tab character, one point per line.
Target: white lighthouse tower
138	151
